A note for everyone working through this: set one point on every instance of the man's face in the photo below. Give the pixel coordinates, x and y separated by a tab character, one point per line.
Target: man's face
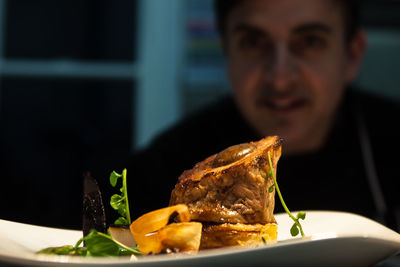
288	63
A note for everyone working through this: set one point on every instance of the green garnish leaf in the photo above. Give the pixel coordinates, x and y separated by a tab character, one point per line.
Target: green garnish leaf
296	227
116	201
294	230
114	177
64	250
96	244
271	188
120	202
99	244
121	221
301	215
122	212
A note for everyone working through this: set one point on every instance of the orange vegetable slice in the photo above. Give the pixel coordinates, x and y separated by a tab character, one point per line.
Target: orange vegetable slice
153	235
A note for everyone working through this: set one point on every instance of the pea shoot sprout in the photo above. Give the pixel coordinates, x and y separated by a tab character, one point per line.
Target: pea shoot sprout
296	227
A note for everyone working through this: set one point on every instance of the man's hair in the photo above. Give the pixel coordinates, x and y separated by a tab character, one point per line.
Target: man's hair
351	14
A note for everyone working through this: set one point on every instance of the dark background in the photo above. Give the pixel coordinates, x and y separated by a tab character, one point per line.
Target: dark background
53	129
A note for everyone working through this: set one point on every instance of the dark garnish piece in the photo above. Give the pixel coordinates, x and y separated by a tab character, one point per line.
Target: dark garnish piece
94	216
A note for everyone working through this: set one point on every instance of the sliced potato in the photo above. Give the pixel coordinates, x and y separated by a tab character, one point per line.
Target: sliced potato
122	234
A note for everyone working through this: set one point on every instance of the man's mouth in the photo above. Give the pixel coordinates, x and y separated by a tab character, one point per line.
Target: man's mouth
282	104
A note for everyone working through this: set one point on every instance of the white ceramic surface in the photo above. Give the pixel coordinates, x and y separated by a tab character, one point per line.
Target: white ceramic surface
332	239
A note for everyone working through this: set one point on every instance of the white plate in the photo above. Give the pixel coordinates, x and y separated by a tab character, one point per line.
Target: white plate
333	239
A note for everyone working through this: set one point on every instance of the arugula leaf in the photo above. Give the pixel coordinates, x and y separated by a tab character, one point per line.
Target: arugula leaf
99	244
64	250
96	244
296	227
120	202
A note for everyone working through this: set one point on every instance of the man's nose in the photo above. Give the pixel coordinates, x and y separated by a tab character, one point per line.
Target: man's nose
281	68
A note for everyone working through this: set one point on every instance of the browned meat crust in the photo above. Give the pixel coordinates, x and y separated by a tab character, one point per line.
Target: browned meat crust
227	234
231	186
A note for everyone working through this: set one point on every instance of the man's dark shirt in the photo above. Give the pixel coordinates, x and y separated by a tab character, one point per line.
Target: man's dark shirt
332	178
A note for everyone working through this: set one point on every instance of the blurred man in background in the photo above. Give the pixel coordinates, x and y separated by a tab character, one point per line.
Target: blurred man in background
290	64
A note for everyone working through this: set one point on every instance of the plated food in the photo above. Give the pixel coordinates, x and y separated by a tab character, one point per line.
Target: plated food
225	200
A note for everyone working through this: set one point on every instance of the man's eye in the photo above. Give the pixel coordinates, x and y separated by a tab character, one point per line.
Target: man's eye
249	41
312	41
308	44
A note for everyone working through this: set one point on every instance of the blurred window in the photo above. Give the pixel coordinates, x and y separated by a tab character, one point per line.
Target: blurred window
67	83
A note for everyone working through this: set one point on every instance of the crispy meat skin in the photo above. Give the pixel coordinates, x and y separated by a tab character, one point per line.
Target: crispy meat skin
227	234
234	193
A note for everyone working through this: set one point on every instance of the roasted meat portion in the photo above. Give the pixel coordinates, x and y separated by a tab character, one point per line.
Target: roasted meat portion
231	186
